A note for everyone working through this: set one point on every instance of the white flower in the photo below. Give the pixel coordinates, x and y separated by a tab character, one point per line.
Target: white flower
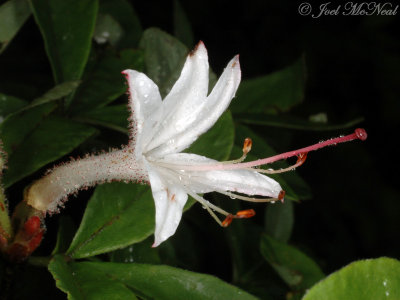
161	129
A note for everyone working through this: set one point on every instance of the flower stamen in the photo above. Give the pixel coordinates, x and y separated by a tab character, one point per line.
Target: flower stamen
242	214
301	158
246	149
252	199
210	207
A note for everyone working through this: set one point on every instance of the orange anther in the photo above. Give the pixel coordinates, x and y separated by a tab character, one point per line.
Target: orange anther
247	145
227	221
244	214
301	158
281	195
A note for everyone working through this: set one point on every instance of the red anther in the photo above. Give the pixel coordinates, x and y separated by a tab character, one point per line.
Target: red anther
281	195
361	134
301	158
32	226
244	214
247	145
227	221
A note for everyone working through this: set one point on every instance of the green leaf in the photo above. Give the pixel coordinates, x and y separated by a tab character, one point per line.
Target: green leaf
164	58
296	188
294	267
67	28
361	280
138	253
107	30
105	83
83	285
283	121
52	139
56	93
114	280
280	90
114	117
279	219
216	143
10	104
182	28
13	15
18	125
123	13
117	215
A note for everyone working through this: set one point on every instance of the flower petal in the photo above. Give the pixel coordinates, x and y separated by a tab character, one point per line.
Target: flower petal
215	104
242	181
145	105
169	200
186	99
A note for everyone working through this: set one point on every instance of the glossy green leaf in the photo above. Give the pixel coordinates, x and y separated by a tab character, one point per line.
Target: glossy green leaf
67	28
164	58
283	121
117	215
10	104
138	253
123	13
57	92
114	117
279	219
294	267
182	28
280	90
216	143
114	280
105	83
17	126
84	285
296	188
52	139
361	280
13	15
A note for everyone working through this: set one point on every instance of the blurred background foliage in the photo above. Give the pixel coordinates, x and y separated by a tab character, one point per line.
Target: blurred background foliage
303	79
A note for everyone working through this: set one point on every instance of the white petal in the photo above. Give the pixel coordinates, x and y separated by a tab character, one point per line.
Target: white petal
145	105
242	181
186	99
215	104
169	200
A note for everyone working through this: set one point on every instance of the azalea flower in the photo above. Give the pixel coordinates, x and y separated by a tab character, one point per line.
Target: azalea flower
160	131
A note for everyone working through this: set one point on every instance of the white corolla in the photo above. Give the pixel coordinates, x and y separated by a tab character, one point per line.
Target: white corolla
159	131
162	129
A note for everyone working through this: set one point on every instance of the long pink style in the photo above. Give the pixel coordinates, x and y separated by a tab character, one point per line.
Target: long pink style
359	133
